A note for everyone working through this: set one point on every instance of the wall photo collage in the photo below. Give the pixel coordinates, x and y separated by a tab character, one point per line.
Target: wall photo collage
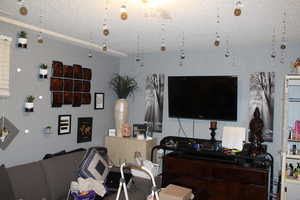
70	85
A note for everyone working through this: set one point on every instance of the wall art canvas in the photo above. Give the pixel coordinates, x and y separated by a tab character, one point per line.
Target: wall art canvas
262	86
10	133
84	131
99	101
154	101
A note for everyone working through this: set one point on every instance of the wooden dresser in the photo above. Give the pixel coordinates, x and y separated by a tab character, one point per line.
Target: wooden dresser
213	180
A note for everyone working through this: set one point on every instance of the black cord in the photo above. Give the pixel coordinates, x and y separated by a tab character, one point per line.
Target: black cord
193	128
181	128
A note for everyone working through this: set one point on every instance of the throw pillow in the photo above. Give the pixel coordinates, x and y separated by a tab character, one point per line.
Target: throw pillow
6	189
93	166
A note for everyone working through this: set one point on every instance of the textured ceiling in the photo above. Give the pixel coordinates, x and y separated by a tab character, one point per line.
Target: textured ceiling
196	18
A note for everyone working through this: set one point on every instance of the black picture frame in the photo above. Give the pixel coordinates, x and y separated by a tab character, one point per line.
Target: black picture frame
139	129
64	124
84	129
99	101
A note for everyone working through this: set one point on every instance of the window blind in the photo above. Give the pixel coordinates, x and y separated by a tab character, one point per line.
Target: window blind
5	43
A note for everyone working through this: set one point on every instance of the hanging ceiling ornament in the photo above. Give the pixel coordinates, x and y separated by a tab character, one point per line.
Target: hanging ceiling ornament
90	55
123	10
238	8
138	58
283	45
163	42
273	53
283	39
217	40
105	30
142	57
40	39
23	9
227	52
104	45
181	51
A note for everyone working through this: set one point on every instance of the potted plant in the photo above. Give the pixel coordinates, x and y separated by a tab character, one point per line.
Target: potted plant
22	39
123	86
29	103
43	71
297	65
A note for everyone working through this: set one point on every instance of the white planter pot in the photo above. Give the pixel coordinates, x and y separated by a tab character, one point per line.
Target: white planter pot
29	105
22	40
121	115
43	72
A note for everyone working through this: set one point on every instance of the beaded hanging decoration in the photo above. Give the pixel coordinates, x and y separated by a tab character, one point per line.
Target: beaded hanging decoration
283	45
181	51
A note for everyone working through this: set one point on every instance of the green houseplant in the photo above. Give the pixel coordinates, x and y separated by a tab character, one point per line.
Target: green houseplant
29	103
123	86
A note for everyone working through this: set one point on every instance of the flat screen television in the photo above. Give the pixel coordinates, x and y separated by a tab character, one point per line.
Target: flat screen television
203	97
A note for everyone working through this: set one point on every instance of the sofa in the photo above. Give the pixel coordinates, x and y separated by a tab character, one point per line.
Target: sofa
50	180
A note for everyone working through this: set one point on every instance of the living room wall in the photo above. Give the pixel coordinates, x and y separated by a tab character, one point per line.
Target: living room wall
242	62
35	144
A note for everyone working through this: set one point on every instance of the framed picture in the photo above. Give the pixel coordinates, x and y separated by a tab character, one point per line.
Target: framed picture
111	132
99	101
139	129
84	130
64	124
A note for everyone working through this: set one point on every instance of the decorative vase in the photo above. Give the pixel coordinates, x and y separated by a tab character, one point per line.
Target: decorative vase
121	115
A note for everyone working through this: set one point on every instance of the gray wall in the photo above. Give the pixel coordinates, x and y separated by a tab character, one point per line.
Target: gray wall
212	62
34	145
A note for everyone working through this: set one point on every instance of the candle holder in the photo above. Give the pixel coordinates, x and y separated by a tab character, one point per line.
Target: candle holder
213	134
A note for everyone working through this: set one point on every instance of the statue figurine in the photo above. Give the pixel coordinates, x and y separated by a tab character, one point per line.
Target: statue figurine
256	125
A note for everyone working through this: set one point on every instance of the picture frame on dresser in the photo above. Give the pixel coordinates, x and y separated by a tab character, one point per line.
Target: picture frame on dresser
99	101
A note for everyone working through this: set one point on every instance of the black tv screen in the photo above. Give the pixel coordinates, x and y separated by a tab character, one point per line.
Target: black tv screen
203	97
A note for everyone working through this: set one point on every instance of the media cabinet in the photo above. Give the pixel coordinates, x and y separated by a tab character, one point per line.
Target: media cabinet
214	179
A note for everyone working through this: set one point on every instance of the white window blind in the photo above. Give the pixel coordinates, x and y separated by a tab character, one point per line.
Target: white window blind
5	43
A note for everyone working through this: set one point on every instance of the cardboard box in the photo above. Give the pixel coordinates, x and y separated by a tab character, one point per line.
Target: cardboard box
175	192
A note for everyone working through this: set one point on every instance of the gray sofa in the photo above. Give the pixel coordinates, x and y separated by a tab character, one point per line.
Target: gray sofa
50	179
